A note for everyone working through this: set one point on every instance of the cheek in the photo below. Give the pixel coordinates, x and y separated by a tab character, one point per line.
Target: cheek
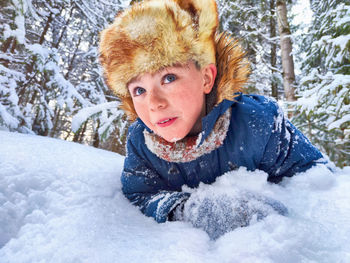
141	110
191	97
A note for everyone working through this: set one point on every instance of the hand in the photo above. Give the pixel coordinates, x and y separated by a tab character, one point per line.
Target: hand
220	214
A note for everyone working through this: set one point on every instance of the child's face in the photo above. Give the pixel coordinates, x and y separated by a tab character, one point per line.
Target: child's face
171	102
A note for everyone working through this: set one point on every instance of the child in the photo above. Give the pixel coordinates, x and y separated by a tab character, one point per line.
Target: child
180	80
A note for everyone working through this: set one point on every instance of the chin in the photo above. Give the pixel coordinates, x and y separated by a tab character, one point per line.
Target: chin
174	138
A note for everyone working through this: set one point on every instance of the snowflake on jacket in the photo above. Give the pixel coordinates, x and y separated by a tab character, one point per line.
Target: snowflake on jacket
256	136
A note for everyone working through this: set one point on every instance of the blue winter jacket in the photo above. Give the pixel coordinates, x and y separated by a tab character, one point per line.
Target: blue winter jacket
258	137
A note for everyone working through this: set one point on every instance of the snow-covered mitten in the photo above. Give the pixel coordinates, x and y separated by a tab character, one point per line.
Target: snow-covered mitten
220	214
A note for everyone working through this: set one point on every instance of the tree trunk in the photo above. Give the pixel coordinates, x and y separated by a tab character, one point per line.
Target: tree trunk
286	50
30	67
5	46
64	28
57	116
79	135
46	28
274	88
71	63
96	139
82	134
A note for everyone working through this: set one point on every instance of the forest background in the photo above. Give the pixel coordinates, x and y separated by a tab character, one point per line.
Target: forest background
51	83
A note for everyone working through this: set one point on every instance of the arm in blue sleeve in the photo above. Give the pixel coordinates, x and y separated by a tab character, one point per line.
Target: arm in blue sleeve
147	189
287	150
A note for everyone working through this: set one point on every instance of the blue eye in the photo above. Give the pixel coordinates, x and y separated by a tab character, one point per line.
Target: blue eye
139	91
169	78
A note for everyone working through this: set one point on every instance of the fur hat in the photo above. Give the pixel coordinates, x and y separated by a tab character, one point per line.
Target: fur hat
155	34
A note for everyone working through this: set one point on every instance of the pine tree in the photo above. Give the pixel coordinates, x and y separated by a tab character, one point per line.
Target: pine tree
324	91
254	24
49	68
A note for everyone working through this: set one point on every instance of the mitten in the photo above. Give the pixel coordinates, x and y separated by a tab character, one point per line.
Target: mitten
220	214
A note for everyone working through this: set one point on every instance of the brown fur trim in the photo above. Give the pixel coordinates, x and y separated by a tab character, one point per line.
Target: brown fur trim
232	66
128	107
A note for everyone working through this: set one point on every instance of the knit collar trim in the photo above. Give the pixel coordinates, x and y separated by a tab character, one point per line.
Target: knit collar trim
190	148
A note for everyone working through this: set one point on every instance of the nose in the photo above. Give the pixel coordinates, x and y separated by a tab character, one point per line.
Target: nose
156	100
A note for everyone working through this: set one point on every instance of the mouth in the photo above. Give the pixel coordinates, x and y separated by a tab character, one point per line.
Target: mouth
166	122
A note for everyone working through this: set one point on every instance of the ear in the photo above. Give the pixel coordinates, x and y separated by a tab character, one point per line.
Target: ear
209	74
204	15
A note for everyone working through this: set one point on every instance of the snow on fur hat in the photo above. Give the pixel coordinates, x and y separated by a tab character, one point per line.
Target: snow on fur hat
155	34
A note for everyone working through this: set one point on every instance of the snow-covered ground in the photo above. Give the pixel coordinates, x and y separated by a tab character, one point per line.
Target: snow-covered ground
62	202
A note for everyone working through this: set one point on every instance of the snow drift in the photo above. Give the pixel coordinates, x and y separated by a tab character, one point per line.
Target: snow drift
62	202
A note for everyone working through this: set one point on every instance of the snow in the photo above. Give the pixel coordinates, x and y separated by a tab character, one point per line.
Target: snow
19	32
339	122
62	202
301	12
341	41
87	112
7	117
108	112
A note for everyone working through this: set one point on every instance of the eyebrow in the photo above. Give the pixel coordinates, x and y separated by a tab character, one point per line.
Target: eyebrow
176	65
134	79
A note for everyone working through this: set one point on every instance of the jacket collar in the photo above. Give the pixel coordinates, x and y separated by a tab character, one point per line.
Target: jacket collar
209	121
191	148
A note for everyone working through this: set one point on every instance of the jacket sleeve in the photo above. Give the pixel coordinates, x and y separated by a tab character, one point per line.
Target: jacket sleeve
287	150
146	189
